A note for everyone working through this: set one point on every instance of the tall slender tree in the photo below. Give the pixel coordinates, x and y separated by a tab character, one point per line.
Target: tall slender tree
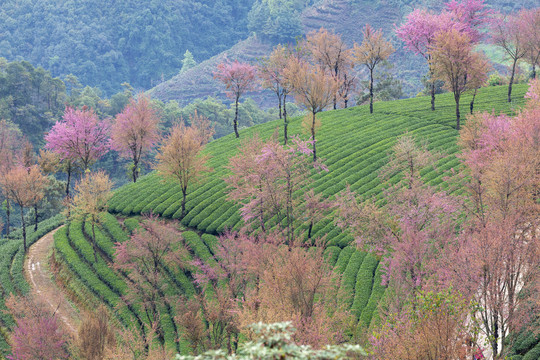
265	178
238	78
454	61
180	158
92	193
331	52
10	146
25	186
135	131
530	21
314	88
151	248
272	75
418	33
421	27
373	50
507	32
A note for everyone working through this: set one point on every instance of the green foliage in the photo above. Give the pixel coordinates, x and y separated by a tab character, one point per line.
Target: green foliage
275	342
495	79
219	113
348	281
533	354
343	259
364	284
131	224
386	88
188	62
106	44
377	293
30	97
331	255
276	20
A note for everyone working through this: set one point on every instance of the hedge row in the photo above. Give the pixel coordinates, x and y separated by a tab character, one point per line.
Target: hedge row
348	281
364	284
87	274
331	255
534	354
377	293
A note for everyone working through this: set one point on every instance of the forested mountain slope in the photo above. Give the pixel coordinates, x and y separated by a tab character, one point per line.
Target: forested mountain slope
108	43
345	17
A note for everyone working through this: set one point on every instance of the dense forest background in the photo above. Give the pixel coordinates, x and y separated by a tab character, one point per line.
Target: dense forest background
107	43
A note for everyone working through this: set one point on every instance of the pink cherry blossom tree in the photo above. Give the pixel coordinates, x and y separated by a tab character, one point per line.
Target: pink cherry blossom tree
419	32
37	334
135	131
502	158
508	33
422	26
80	139
238	78
472	15
530	20
413	228
265	177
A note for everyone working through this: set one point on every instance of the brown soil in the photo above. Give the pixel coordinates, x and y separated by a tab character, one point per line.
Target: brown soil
38	274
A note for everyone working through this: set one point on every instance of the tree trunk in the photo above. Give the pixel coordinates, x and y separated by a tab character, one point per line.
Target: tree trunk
134	173
285	121
371	91
135	170
472	101
35	216
236	118
432	94
432	87
8	213
511	80
534	71
345	101
23	224
495	340
313	137
279	105
94	240
458	115
310	229
184	193
68	182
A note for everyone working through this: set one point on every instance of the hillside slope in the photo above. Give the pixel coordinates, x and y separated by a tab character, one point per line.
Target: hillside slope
352	143
345	17
107	43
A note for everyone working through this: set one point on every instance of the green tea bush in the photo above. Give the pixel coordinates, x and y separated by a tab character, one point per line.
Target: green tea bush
364	284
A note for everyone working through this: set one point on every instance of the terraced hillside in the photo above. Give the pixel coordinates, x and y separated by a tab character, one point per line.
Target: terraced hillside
353	144
90	283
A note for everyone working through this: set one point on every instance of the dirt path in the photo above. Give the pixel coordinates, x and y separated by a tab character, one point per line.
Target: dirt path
36	271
